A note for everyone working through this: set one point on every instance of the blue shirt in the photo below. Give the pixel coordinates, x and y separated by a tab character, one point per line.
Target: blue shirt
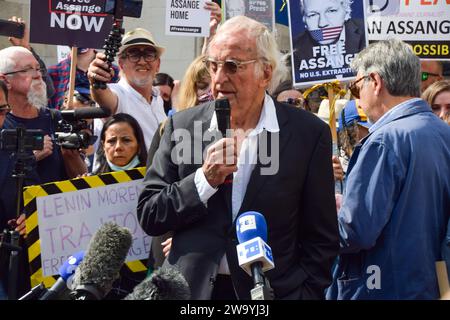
394	215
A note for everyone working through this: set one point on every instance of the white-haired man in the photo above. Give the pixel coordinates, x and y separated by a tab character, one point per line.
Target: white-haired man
293	189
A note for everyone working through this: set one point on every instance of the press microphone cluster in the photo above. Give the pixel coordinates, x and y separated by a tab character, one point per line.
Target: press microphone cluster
166	283
106	253
254	255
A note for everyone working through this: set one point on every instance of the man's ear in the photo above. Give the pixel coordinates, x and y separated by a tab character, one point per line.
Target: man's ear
5	80
378	82
267	74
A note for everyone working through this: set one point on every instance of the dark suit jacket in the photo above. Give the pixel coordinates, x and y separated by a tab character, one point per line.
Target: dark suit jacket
297	202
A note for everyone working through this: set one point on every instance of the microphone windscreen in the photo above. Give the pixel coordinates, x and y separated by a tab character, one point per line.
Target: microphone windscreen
249	225
106	253
166	283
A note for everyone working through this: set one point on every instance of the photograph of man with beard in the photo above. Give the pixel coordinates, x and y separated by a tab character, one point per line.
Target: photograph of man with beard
325	37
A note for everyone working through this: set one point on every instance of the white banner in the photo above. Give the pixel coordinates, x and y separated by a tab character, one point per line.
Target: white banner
68	220
187	18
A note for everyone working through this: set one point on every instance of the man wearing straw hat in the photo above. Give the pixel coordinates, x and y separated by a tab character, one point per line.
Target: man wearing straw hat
139	61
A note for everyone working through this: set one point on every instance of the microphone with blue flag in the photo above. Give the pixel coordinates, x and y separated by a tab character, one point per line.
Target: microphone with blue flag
66	272
254	254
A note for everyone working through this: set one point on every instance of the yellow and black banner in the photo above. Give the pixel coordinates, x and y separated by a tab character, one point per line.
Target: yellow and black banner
32	193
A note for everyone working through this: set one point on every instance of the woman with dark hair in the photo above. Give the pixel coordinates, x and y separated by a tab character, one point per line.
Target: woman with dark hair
122	144
165	83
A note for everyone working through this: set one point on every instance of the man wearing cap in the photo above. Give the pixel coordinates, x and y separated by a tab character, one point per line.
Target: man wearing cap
139	61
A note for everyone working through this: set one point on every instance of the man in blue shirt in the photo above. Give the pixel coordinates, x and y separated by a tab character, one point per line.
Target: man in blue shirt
397	203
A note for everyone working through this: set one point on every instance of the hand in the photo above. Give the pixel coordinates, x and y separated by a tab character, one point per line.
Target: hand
221	161
216	16
25	41
337	169
99	69
46	151
21	226
166	246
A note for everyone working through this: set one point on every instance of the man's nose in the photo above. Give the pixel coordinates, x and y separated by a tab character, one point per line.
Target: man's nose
323	21
220	76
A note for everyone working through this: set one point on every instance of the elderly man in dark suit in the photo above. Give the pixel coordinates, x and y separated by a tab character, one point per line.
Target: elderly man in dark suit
280	160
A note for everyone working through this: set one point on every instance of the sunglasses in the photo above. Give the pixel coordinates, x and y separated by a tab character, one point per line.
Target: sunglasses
135	55
425	75
354	89
27	71
295	102
229	66
4	109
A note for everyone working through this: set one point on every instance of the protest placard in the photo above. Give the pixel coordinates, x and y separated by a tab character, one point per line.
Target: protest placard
325	37
63	216
425	24
187	18
71	23
259	10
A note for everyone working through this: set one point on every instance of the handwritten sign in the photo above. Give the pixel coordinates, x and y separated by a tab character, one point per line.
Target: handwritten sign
187	18
63	216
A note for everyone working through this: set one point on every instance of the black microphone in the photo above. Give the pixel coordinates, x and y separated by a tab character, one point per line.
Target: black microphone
85	113
223	110
166	283
102	262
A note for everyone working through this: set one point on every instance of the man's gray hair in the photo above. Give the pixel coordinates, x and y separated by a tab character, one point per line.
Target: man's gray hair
266	45
7	58
347	4
395	62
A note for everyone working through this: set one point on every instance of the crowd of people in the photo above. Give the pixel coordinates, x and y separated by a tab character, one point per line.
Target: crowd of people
378	239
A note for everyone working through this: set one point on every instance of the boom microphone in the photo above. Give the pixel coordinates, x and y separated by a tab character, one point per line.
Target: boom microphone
84	113
222	108
164	284
254	255
66	272
101	265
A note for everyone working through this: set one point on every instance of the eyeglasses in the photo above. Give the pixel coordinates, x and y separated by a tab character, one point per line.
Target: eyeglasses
135	55
4	109
425	75
354	89
28	71
229	66
298	102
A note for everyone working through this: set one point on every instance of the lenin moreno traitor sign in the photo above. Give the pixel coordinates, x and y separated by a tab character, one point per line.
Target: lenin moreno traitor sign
325	35
80	23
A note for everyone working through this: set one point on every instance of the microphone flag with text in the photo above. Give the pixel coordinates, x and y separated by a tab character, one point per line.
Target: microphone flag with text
66	272
106	253
166	283
254	254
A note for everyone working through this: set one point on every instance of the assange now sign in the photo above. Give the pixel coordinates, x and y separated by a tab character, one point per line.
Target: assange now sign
80	23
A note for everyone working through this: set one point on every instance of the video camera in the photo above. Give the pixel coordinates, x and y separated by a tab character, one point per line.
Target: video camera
72	131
